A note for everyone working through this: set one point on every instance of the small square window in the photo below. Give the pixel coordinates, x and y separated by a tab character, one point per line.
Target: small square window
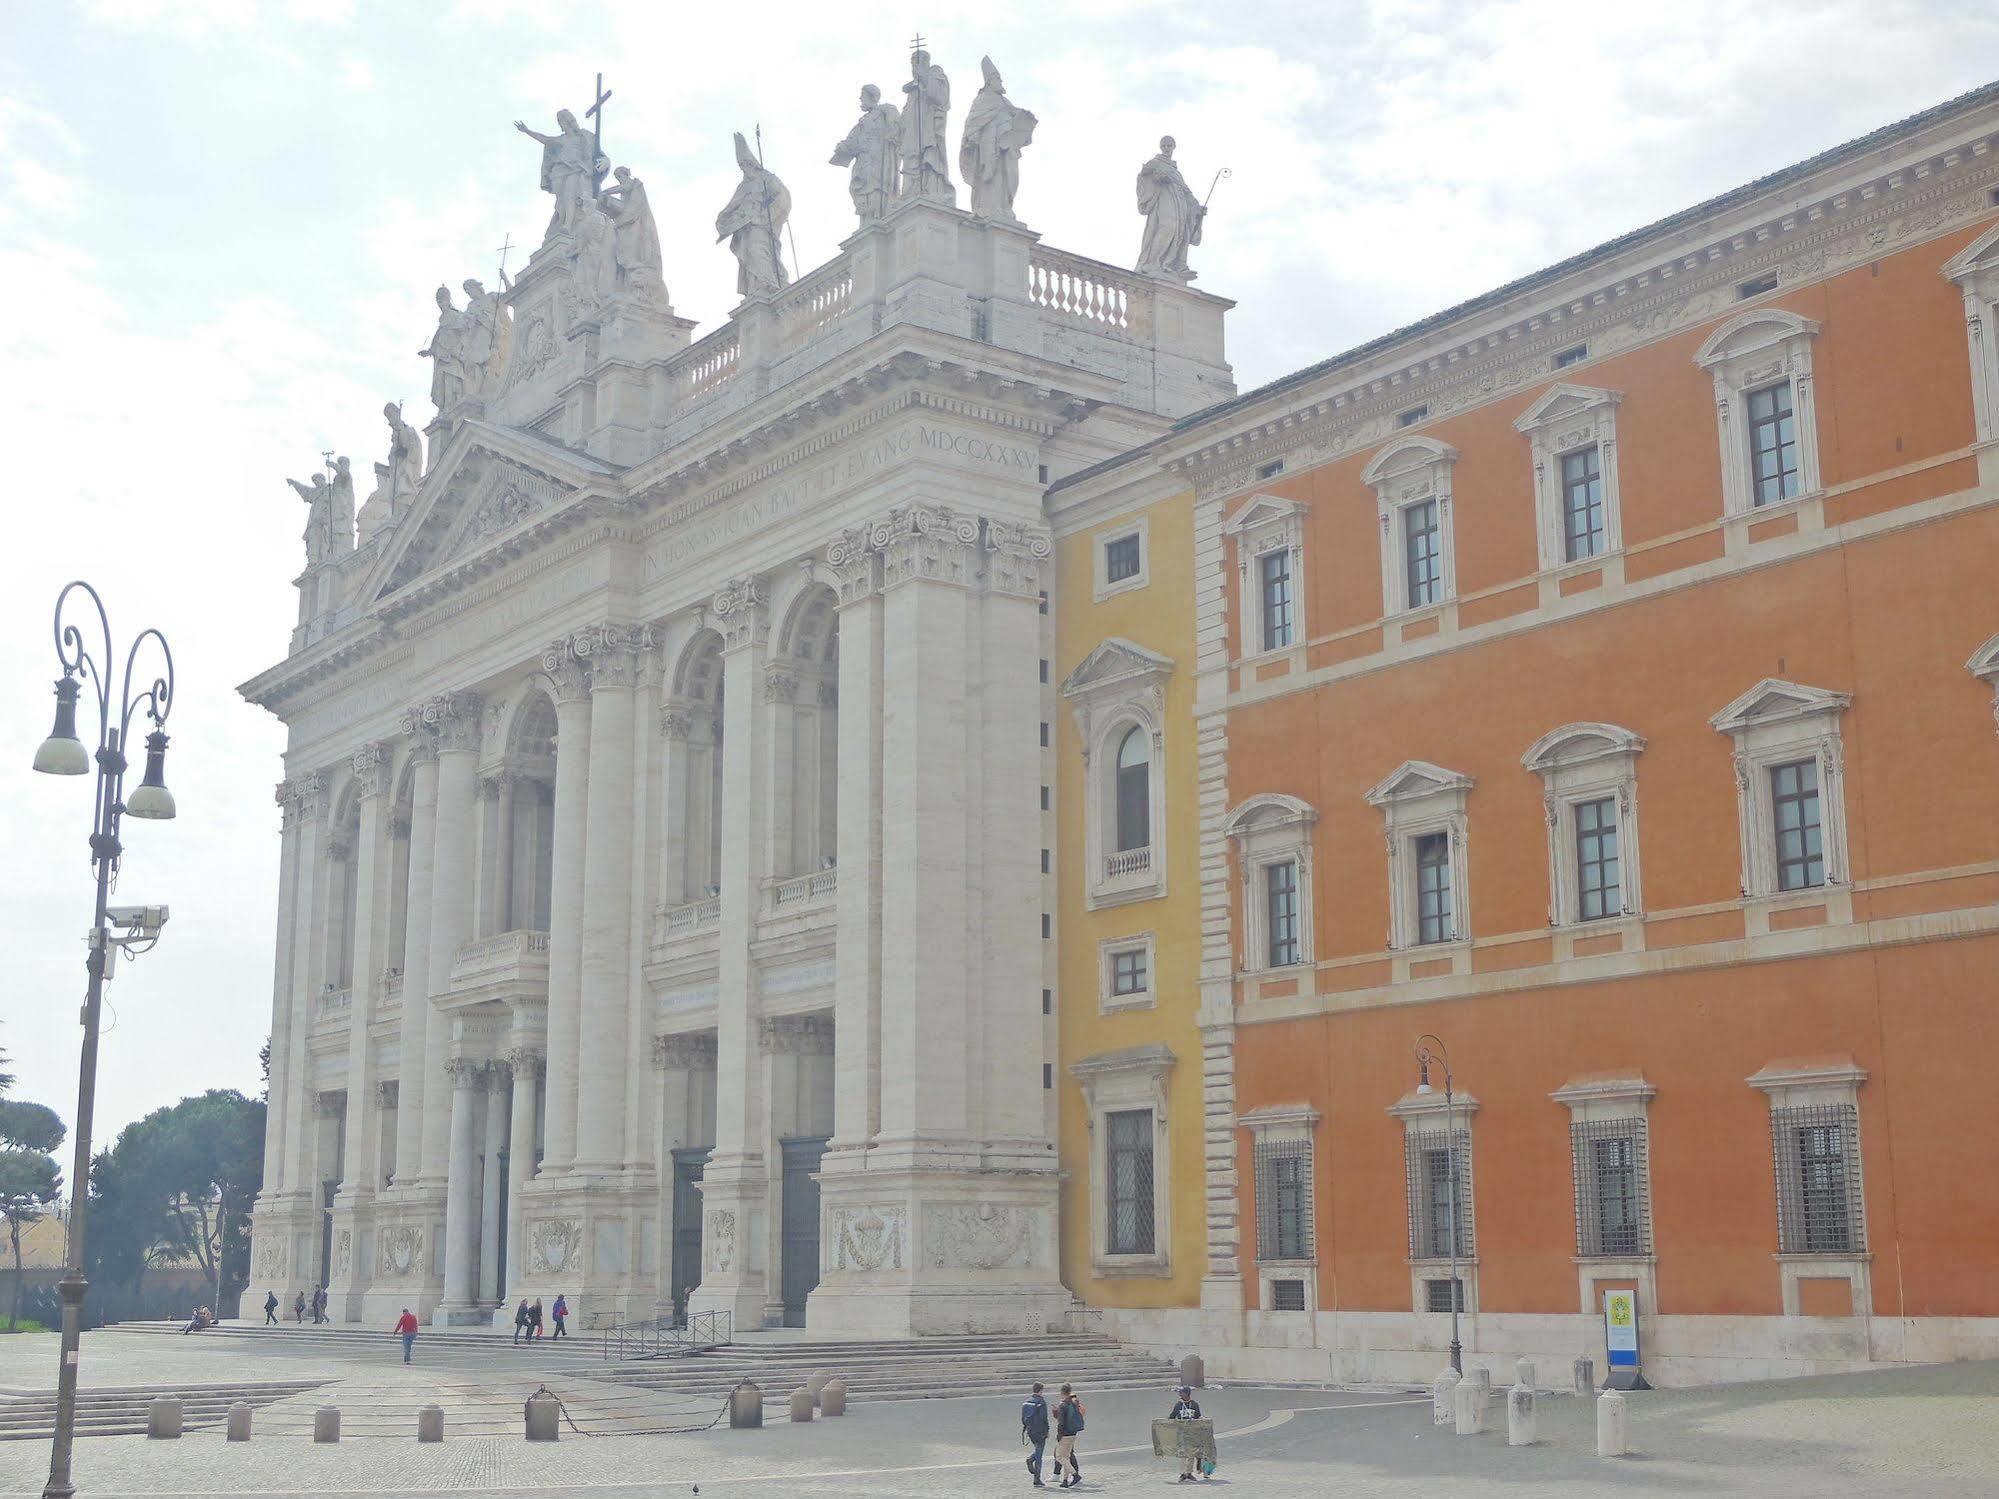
1287	1295
1121	558
1271	469
1412	416
1437	1295
1128	972
1755	286
1568	357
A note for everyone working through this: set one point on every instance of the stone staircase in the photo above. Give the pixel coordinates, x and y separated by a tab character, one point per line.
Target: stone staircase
346	1340
30	1415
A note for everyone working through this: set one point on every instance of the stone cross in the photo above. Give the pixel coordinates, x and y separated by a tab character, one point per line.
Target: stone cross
595	115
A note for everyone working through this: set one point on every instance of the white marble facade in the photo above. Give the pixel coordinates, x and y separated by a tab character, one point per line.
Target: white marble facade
664	798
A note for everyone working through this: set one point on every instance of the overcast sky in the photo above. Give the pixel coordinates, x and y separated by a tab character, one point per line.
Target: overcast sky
222	223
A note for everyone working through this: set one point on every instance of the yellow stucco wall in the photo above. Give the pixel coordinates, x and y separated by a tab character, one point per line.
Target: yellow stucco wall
1160	617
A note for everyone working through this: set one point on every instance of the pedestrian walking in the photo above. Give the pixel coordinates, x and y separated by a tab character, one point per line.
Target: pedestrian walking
521	1321
534	1320
1187	1408
406	1330
318	1304
1068	1427
271	1309
1034	1431
560	1312
298	1308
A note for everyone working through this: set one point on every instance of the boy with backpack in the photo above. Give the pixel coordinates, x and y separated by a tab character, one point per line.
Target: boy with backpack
1068	1426
1034	1431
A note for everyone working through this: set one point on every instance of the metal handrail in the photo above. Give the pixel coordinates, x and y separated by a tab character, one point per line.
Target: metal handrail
699	1333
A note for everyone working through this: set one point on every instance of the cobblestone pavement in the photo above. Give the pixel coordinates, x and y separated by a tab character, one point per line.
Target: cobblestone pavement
1913	1432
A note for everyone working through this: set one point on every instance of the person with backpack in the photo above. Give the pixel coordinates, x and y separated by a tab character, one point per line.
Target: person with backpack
271	1309
1034	1431
1068	1426
560	1312
1187	1408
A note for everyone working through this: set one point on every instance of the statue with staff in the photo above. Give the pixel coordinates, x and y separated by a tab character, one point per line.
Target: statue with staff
753	223
572	161
1173	217
926	172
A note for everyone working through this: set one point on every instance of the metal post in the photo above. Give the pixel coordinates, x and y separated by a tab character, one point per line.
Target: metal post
1451	1162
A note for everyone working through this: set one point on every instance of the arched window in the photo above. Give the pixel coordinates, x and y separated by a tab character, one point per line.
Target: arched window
1134	791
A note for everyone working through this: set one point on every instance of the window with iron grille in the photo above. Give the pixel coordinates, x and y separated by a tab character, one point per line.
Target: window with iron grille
1280	911
1437	1295
1773	444
1599	889
1128	1172
1287	1296
1121	559
1427	1162
1794	811
1582	503
1819	1207
1274	576
1613	1218
1128	971
1283	1199
1422	553
1433	888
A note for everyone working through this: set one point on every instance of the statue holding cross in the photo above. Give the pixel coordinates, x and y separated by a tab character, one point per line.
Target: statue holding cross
572	163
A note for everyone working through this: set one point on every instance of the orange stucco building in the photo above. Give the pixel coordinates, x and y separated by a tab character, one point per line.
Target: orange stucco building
1597	679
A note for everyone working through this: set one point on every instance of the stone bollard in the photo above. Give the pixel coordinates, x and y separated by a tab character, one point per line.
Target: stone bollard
239	1421
1482	1377
326	1424
1522	1430
543	1414
746	1406
430	1423
163	1417
833	1398
1443	1407
1523	1374
1585	1374
1193	1373
1469	1401
1611	1437
801	1404
817	1383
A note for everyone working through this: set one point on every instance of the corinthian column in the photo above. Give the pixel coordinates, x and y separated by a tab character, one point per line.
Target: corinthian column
493	1141
569	681
281	989
611	653
466	1078
857	947
527	1069
308	963
371	768
734	1184
455	718
411	1093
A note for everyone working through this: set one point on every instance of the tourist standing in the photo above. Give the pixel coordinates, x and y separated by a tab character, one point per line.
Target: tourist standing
521	1322
534	1320
1068	1427
1186	1408
406	1330
1034	1431
298	1307
560	1312
270	1309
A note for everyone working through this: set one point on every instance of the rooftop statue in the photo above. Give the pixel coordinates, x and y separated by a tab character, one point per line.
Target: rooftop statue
870	148
571	169
488	340
595	260
926	173
405	458
641	268
752	224
447	354
1172	217
318	497
996	131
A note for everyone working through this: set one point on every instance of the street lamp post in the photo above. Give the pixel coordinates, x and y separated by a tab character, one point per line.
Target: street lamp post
1430	1049
63	754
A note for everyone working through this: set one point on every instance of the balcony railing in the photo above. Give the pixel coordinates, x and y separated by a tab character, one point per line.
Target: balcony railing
805	310
706	365
680	921
1087	290
804	890
1127	862
335	1002
515	960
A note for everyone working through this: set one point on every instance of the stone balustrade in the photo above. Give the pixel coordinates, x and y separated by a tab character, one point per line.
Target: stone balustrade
803	891
673	922
1127	862
507	965
1088	291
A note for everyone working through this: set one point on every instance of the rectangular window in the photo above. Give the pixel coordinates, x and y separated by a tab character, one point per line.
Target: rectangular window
1271	469
1599	886
1428	1159
1128	1169
1047	1075
1433	888
1582	503
1287	1296
1412	416
1044	736
1283	1199
1422	554
1611	1215
1568	357
1437	1295
1794	810
1128	971
1773	444
1048	1001
1121	559
1274	578
1818	1180
1280	912
1755	286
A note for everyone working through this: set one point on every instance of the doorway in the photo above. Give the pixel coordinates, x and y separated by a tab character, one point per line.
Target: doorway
799	1267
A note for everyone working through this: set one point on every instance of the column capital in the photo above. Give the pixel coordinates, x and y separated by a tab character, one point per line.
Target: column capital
856	565
742	612
466	1072
527	1064
924	543
796	1035
328	1105
304	797
388	1094
676	718
568	677
694	1051
1014	557
490	786
780	686
373	767
612	652
457	719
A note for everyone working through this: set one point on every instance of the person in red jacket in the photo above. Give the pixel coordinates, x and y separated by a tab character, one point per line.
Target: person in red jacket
406	1330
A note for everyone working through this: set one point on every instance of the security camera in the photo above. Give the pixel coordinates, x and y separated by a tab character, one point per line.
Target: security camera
138	921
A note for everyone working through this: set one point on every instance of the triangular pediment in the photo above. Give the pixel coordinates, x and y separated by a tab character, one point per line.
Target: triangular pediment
1982	254
1262	509
1774	700
1560	402
1115	663
490	483
1417	778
